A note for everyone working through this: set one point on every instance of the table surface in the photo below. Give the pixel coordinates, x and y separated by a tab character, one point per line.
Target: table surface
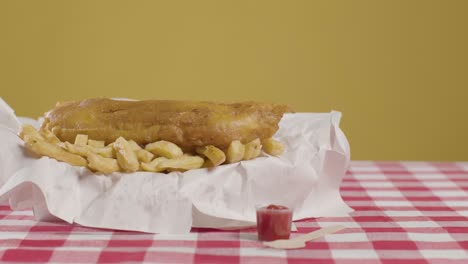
405	212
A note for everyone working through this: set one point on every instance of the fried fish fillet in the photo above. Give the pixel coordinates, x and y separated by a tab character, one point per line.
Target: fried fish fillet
188	124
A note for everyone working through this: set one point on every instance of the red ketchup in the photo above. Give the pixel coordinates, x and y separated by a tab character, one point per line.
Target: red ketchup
273	222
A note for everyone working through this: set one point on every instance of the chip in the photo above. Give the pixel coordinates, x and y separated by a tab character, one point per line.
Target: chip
214	154
164	149
126	157
144	155
184	162
81	140
252	149
235	152
96	143
101	164
272	147
44	148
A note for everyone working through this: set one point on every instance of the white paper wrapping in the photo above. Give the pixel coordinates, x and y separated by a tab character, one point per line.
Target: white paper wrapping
305	177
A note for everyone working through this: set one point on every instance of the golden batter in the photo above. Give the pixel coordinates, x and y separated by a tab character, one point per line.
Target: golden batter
186	123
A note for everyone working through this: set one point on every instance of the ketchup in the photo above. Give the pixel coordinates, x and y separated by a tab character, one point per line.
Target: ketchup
274	222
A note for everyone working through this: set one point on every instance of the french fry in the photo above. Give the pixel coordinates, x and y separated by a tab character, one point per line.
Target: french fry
252	149
207	164
81	140
44	148
182	163
51	137
81	150
165	149
29	132
134	145
153	165
106	152
235	151
272	147
144	155
126	157
214	154
101	164
96	143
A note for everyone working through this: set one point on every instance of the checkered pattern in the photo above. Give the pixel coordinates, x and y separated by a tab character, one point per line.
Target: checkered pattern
405	213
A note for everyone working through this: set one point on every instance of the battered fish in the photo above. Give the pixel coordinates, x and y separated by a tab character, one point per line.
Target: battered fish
186	123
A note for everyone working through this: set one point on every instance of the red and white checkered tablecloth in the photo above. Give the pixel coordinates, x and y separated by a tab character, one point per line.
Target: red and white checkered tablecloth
406	212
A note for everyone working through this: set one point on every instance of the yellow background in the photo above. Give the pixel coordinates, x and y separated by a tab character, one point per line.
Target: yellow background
398	70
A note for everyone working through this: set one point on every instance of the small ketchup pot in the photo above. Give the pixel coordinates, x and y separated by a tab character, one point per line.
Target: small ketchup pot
274	222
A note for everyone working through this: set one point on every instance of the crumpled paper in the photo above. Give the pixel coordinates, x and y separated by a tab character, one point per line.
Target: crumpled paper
305	177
